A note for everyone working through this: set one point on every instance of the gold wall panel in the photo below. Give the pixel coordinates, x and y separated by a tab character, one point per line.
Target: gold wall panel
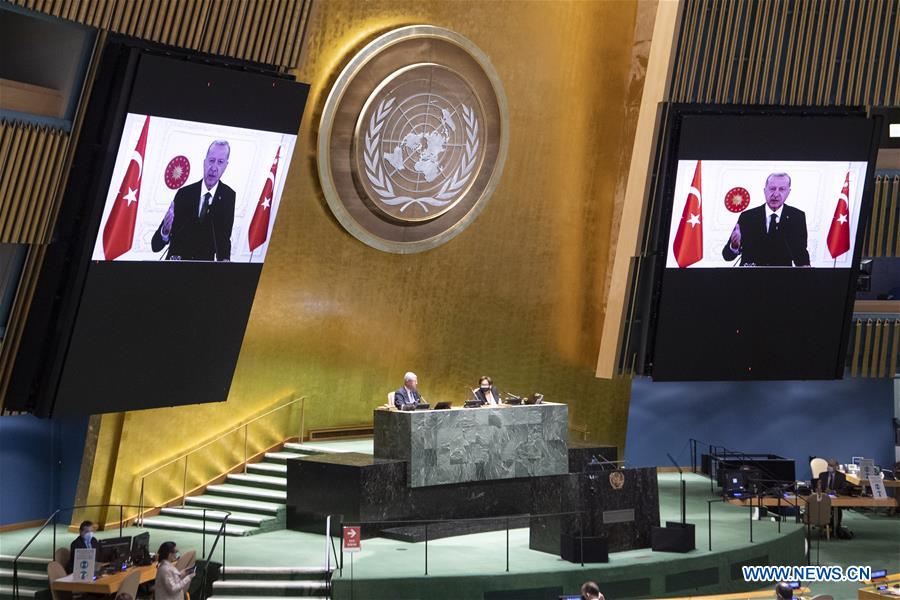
519	295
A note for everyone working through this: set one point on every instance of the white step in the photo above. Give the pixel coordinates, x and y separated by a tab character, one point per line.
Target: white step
233	571
236	504
283	456
29	575
277	573
216	516
24	592
227	489
303	448
264	480
317	449
194	525
267	468
243	584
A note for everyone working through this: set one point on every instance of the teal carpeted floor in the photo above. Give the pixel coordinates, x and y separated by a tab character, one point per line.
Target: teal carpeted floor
876	543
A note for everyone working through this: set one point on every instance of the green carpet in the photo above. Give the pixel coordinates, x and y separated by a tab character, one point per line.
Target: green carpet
455	563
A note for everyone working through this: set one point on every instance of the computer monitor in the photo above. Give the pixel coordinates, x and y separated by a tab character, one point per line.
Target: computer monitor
735	483
140	548
114	550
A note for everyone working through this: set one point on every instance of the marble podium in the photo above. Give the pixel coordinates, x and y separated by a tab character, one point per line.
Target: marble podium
461	445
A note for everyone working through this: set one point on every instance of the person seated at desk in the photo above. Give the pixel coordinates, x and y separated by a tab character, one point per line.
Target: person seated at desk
171	584
85	539
783	591
591	591
832	481
408	395
486	392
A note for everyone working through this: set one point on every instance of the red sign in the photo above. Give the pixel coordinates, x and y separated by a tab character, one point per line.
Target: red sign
352	539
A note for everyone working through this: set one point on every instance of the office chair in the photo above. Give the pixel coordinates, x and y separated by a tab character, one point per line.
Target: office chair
187	560
56	571
61	556
130	584
817	466
390	401
818	513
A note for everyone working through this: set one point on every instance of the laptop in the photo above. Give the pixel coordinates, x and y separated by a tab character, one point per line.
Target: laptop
534	399
443	405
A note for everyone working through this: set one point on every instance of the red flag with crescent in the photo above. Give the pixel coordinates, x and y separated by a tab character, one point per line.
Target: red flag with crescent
118	233
688	246
839	233
259	225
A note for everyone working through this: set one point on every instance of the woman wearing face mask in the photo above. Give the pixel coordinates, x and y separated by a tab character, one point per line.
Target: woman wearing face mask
486	392
170	582
85	539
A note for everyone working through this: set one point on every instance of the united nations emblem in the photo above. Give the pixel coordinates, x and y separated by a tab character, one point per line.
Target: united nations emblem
422	117
616	479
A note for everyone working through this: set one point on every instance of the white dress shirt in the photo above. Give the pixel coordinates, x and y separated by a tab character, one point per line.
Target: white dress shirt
212	195
770	212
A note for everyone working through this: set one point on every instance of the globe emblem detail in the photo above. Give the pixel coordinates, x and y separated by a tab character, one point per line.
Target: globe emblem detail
422	145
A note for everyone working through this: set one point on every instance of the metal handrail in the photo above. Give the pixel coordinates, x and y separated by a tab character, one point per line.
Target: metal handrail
185	456
55	514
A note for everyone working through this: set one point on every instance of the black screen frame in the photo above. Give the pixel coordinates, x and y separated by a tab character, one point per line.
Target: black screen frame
145	78
652	278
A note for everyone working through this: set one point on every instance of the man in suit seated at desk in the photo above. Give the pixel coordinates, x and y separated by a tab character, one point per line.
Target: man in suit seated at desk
832	481
85	539
408	395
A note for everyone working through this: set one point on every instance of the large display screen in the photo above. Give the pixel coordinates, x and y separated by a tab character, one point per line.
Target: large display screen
755	236
185	190
168	215
765	213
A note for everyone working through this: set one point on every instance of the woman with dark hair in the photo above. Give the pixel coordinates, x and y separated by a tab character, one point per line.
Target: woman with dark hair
170	582
486	392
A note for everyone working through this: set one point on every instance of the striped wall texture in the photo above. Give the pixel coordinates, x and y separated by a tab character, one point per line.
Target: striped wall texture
789	52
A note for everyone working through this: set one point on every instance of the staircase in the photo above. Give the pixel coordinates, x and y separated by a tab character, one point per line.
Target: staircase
272	583
32	576
256	499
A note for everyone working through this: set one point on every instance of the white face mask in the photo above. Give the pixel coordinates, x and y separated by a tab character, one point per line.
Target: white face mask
831	469
88	536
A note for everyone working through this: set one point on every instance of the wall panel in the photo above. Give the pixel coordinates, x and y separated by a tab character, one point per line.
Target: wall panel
518	295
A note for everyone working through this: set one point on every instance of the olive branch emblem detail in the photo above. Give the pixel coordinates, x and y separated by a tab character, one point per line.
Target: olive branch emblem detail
380	181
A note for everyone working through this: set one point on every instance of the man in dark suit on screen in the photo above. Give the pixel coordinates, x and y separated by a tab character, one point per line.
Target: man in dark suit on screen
771	235
198	223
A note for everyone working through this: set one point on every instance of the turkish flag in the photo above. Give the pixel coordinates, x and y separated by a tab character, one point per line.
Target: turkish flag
688	246
259	225
839	233
118	233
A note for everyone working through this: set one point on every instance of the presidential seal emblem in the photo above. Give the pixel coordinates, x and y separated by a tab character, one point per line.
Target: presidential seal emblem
413	139
616	480
737	199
